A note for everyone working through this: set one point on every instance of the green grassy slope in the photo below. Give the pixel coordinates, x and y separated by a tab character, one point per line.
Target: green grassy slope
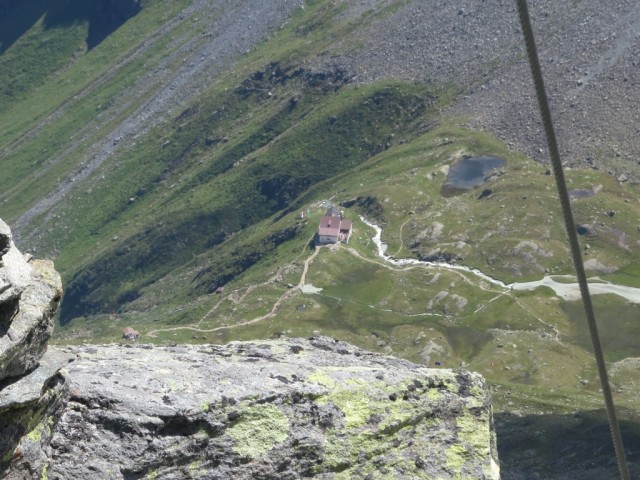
45	134
39	38
221	191
209	196
242	151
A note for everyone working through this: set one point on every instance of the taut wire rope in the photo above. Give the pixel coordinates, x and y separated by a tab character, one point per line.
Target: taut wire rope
570	225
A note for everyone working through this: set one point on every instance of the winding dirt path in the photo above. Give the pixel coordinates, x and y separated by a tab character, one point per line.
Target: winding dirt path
480	284
400	235
286	295
305	269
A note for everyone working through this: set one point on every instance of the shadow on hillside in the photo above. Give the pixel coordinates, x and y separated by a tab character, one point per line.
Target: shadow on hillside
103	17
559	447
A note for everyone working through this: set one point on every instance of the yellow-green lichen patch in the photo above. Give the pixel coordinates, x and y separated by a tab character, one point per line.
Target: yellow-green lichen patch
195	469
152	475
456	457
450	382
44	427
321	378
355	401
389	430
474	433
478	389
36	434
343	451
259	429
378	423
472	443
434	394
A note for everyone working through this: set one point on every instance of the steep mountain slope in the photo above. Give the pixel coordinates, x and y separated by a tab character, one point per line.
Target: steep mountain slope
588	54
163	151
146	127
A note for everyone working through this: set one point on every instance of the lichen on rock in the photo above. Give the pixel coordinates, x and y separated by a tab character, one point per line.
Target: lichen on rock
286	408
259	429
29	295
31	390
389	429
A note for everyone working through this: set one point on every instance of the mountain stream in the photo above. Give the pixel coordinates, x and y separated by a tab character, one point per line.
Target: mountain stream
567	291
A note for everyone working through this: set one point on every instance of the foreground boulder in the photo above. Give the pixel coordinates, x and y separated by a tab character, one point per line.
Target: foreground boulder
277	409
29	296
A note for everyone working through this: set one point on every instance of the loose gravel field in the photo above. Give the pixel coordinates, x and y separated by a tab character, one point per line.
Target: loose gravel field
589	53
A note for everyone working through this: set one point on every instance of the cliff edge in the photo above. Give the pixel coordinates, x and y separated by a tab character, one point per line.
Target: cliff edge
273	409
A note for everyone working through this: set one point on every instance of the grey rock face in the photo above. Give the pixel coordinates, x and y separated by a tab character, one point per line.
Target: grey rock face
29	295
5	239
30	390
28	409
280	409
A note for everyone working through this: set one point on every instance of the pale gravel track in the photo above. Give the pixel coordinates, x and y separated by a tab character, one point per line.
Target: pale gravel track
274	309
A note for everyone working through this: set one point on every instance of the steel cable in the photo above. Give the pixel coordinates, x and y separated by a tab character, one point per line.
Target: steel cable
563	193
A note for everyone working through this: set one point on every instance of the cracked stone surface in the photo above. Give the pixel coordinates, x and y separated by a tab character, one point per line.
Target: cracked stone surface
287	408
29	295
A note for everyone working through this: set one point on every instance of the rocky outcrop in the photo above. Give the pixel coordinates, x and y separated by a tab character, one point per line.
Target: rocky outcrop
278	409
287	408
29	295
